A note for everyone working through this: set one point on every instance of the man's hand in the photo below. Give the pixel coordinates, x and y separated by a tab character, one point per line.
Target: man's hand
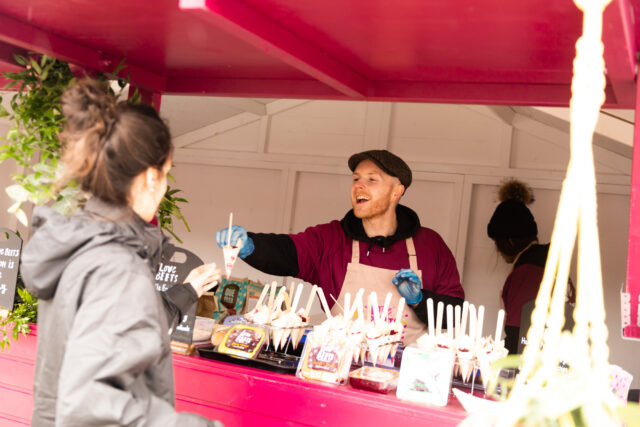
409	285
204	278
238	237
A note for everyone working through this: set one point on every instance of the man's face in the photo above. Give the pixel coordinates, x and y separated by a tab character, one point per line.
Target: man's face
373	192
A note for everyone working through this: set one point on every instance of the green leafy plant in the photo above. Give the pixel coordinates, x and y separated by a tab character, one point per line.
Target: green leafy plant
19	319
169	209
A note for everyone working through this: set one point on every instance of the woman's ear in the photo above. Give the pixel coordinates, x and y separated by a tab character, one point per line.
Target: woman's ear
151	178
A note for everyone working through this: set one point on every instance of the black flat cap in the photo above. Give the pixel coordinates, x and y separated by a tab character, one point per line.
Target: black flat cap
385	160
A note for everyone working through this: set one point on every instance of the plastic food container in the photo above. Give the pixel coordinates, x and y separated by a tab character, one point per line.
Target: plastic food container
380	380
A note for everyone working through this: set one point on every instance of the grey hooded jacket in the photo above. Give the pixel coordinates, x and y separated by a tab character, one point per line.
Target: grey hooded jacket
103	347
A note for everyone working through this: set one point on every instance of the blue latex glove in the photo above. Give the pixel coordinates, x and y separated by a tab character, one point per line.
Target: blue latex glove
238	233
409	285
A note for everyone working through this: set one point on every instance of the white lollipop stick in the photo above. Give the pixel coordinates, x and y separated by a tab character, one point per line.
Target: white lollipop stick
463	322
296	299
480	322
439	314
430	317
373	301
457	314
272	294
498	334
385	308
323	301
310	300
354	306
335	301
263	294
472	322
347	305
292	287
277	306
400	311
229	234
450	322
360	305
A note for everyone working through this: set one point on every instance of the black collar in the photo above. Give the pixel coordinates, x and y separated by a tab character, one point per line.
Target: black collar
408	225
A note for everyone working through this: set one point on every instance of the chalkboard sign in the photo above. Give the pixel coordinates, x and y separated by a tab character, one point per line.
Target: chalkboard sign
174	267
525	322
10	248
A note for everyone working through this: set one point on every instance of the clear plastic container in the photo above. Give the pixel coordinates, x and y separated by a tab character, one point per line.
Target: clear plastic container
326	357
380	380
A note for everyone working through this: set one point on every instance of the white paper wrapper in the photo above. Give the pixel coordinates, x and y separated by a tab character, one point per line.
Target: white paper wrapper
230	257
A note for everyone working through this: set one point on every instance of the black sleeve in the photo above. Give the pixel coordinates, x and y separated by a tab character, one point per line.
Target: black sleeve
176	301
421	308
274	254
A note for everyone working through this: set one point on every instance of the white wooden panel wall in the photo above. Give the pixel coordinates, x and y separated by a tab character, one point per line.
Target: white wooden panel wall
447	134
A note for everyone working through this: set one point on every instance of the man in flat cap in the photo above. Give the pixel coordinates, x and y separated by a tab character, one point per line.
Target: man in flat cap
379	245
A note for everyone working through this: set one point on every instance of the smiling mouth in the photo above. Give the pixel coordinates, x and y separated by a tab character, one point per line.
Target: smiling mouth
361	199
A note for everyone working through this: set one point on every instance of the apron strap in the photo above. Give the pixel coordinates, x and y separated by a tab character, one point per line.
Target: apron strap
413	258
355	252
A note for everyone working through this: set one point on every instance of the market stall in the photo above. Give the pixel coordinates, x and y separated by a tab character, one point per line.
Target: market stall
280	49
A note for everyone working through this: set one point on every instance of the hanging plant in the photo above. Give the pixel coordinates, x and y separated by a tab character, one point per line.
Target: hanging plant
33	143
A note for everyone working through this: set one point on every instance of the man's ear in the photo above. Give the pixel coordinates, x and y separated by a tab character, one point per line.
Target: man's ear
398	192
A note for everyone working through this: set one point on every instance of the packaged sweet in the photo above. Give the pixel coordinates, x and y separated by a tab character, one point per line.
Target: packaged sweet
425	376
243	341
326	358
231	297
372	378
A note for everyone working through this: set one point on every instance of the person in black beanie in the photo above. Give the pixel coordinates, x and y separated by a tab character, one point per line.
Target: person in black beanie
515	233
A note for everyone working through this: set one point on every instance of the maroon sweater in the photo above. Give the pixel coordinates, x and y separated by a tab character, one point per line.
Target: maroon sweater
320	255
325	250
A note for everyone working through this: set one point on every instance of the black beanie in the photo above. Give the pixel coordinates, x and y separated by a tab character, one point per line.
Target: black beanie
512	219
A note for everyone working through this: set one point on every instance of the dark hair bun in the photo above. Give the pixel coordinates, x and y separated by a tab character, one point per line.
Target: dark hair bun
88	105
515	190
108	143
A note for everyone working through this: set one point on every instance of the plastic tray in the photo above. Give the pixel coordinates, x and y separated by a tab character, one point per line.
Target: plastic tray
267	360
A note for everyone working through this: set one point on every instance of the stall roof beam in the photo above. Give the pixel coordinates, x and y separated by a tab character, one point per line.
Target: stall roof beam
618	36
246	24
30	38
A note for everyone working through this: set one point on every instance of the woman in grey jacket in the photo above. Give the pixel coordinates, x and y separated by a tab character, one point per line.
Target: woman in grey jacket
103	348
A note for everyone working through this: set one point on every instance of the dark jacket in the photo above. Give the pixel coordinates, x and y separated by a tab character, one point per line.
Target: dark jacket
103	347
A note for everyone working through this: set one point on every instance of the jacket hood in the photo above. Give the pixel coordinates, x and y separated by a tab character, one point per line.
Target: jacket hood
408	225
57	239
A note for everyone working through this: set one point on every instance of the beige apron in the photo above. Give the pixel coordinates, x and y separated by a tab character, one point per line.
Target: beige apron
379	280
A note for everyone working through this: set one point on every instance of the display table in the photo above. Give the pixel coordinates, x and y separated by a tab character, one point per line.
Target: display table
238	395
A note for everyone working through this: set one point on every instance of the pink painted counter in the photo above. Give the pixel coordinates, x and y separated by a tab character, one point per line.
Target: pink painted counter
238	395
